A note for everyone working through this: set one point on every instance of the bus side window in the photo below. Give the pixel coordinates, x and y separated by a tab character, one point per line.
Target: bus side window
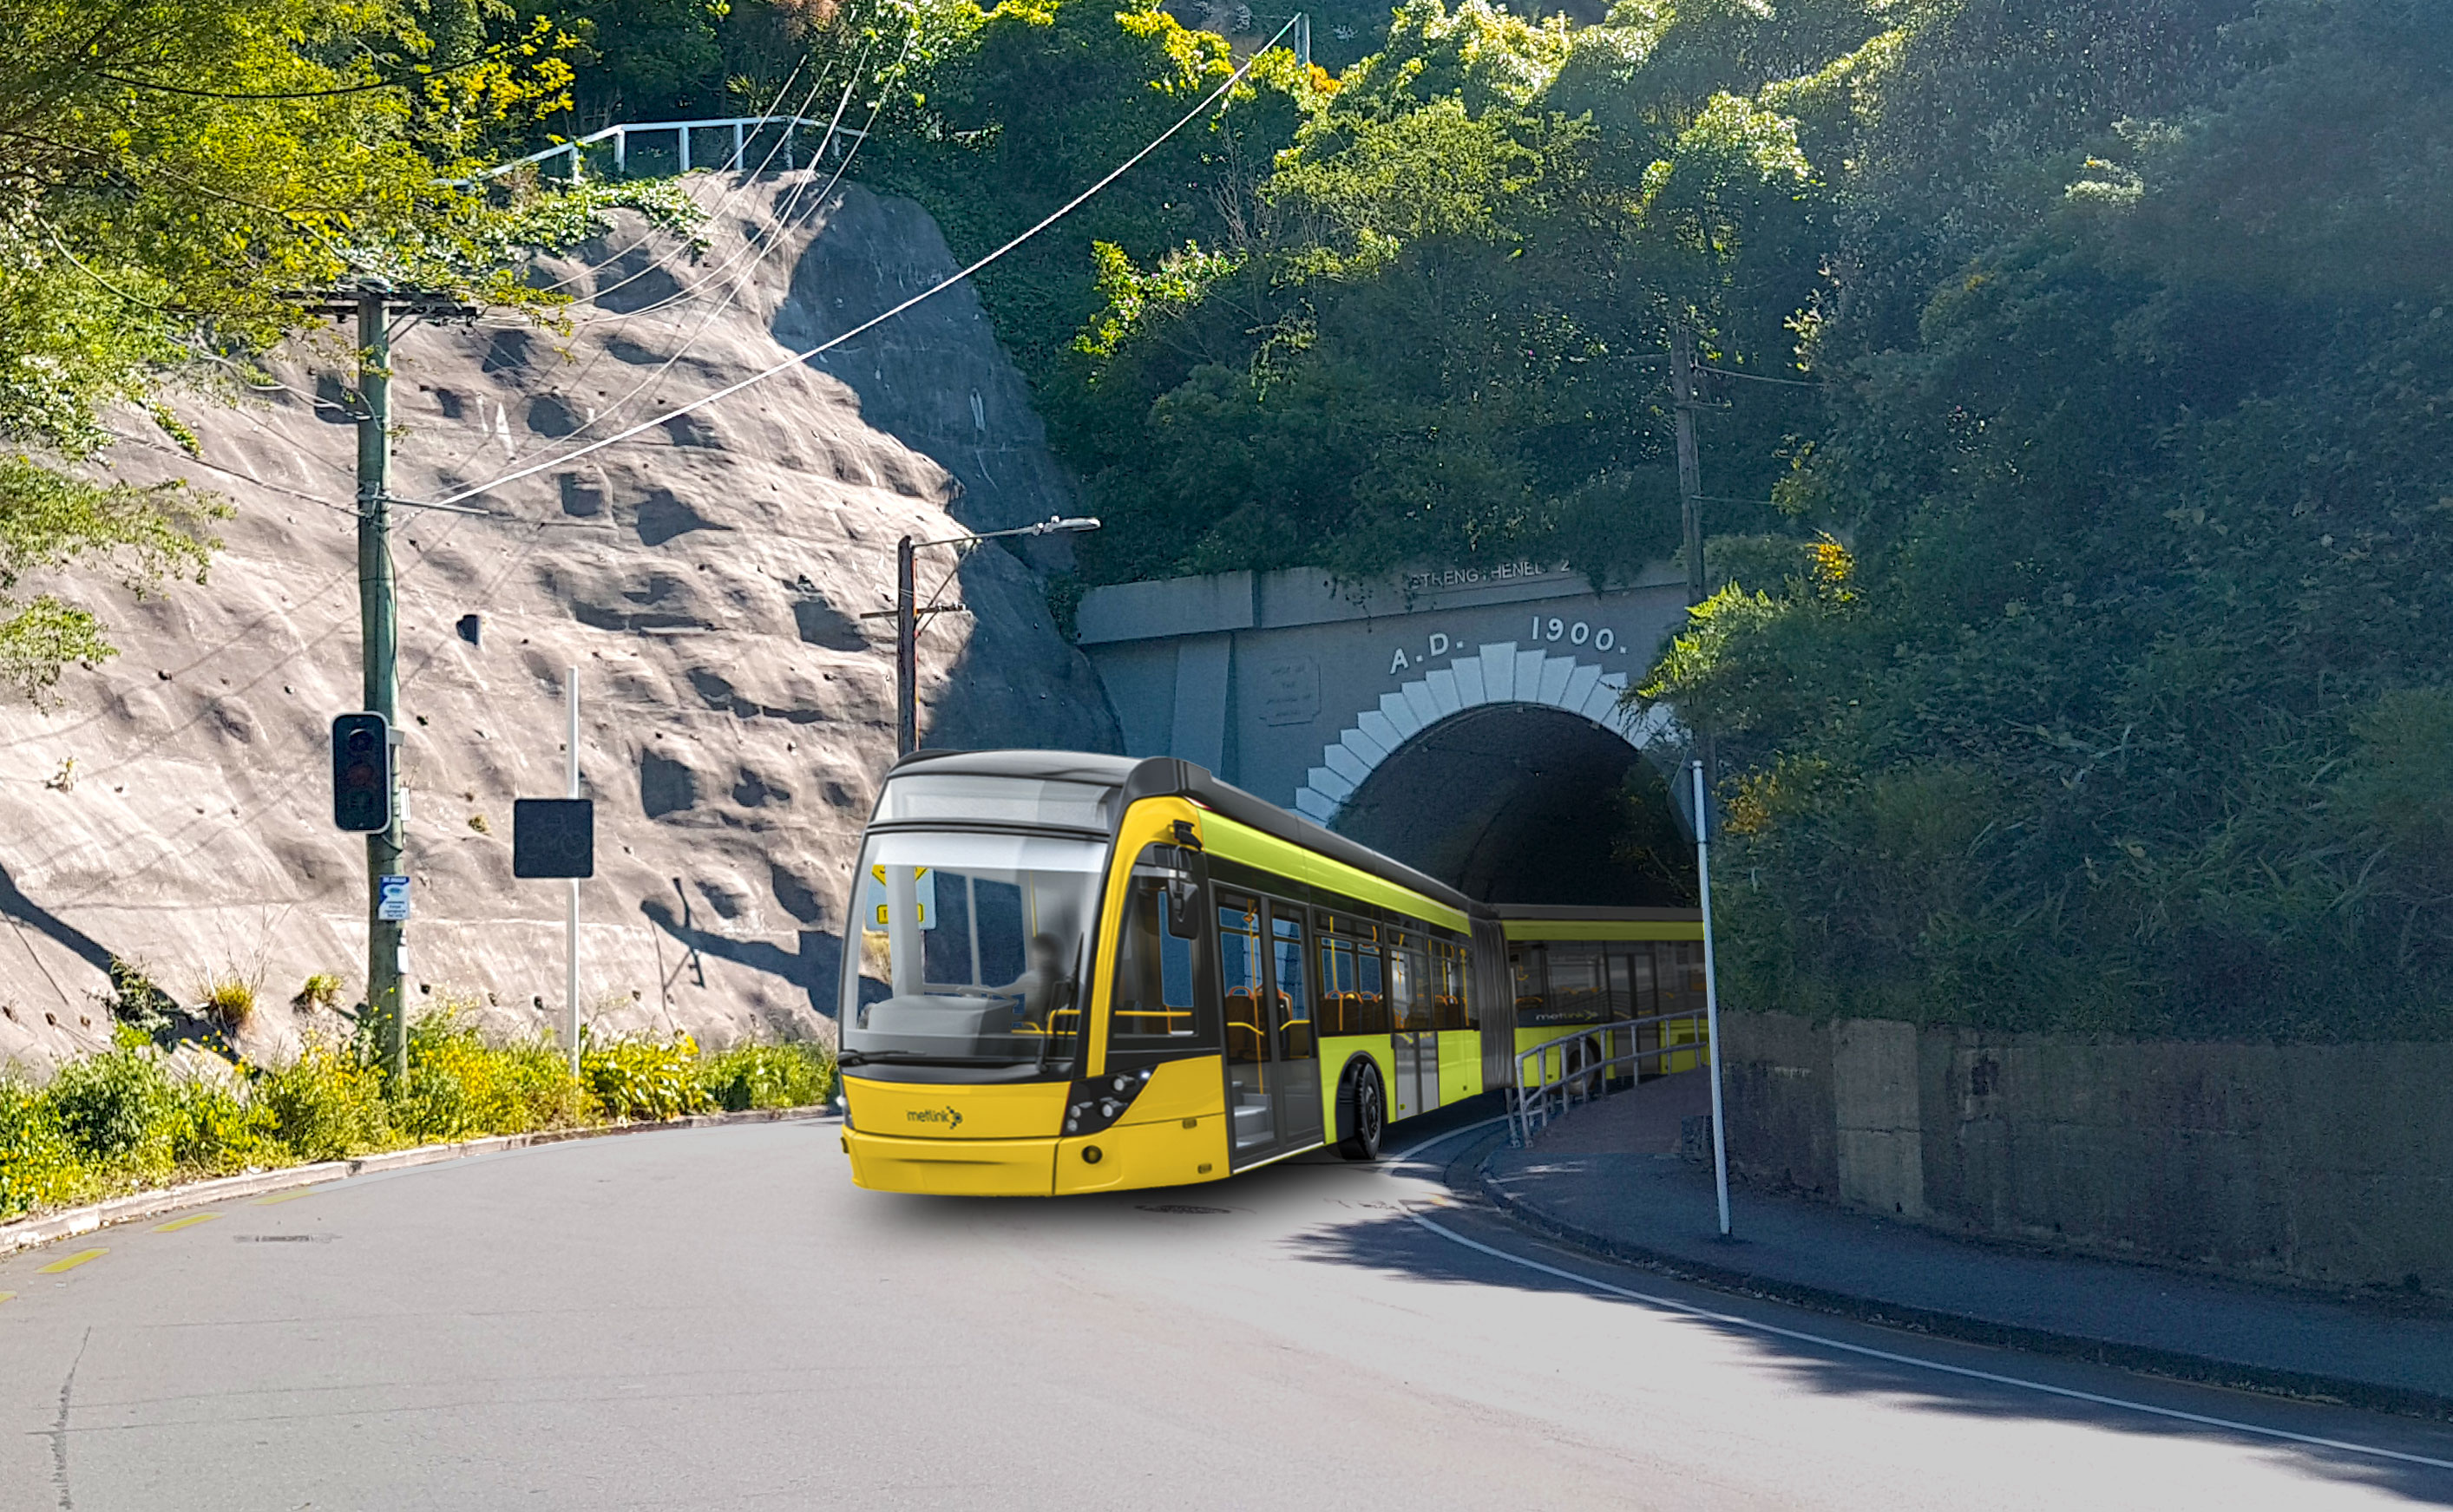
1455	1005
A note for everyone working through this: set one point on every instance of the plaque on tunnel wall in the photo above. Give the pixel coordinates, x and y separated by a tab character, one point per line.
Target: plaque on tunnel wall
1290	692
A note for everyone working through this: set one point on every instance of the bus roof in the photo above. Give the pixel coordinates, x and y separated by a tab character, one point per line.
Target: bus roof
1162	776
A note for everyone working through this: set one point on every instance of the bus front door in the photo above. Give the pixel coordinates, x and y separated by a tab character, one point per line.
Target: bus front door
1297	1046
1244	981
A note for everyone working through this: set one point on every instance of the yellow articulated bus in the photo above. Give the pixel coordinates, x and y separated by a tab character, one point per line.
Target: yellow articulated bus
1074	973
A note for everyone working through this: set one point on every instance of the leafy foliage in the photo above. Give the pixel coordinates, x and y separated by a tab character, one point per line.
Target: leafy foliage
134	1116
753	1076
2079	654
643	1079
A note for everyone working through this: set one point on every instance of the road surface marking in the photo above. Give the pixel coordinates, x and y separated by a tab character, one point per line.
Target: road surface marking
1442	1138
72	1262
6	1295
283	1196
177	1223
1733	1321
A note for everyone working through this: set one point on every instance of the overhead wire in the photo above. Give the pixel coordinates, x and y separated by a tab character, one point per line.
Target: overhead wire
733	163
601	314
783	226
783	219
798	358
1761	378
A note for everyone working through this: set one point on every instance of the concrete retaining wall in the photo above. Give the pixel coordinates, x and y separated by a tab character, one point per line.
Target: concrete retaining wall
2323	1165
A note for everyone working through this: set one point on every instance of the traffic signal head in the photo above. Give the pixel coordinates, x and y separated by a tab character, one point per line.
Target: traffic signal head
362	772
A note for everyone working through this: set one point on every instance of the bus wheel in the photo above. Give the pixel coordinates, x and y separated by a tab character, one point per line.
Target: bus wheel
1362	1113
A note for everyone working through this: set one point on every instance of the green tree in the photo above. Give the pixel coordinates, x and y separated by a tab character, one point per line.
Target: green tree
179	179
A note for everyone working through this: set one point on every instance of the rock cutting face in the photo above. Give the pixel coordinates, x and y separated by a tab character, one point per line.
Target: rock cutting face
708	580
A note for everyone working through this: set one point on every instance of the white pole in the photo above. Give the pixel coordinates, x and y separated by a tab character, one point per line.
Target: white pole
1711	996
571	984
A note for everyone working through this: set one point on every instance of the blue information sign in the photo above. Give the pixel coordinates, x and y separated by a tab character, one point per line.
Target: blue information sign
391	899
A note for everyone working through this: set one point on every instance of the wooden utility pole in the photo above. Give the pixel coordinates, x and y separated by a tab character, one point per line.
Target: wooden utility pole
1685	385
1682	386
372	305
379	654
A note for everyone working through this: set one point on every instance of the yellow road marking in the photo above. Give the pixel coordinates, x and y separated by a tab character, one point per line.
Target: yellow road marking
191	1220
6	1295
283	1196
72	1262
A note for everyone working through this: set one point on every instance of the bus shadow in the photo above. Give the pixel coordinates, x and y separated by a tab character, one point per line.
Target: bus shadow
1397	1244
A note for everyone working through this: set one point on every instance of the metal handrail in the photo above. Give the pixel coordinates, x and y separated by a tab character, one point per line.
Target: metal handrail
1529	1109
741	125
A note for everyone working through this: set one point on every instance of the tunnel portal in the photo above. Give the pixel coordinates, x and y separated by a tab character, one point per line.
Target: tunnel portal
1526	803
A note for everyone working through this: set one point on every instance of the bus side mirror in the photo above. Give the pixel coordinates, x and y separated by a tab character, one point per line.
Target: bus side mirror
1183	919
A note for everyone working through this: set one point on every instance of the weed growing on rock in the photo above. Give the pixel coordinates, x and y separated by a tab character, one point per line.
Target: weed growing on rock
38	1165
460	1087
321	993
230	1000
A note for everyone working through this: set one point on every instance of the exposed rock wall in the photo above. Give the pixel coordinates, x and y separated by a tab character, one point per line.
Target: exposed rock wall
707	581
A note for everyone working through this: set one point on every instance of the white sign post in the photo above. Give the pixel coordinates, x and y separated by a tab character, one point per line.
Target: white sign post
1711	994
571	985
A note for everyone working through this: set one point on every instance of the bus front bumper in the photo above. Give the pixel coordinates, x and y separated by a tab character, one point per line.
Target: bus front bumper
1015	1167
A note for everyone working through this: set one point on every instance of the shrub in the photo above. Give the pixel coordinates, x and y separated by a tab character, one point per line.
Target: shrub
643	1079
327	1104
460	1087
38	1165
212	1130
321	991
112	1105
750	1076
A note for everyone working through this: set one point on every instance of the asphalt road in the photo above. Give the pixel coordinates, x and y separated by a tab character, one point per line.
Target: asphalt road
716	1318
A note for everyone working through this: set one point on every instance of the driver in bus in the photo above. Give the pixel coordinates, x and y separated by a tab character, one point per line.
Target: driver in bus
1043	987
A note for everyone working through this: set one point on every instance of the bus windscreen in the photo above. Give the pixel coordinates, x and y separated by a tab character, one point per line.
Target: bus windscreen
973	948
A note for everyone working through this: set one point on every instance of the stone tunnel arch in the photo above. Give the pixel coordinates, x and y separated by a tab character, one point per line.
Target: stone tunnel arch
1524	802
1494	675
1506	773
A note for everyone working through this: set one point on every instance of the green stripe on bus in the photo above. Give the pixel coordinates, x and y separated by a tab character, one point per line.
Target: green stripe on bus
1224	837
1538	929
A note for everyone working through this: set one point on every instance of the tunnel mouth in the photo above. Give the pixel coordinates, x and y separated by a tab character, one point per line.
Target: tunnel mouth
1526	803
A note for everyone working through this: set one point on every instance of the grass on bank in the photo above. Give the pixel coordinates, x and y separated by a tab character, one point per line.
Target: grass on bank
130	1118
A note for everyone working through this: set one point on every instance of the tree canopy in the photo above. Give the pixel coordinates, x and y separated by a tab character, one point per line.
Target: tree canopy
2078	658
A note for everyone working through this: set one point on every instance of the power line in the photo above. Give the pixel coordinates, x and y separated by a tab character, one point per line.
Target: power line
874	321
655	263
1761	378
780	92
783	219
757	255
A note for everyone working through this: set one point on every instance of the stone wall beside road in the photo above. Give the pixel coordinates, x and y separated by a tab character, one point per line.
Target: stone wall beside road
2326	1164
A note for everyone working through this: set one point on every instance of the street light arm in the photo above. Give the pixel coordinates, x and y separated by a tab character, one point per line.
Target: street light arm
1053	525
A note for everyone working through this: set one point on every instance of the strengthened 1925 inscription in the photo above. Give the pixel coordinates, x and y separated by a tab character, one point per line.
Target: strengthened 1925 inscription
1466	577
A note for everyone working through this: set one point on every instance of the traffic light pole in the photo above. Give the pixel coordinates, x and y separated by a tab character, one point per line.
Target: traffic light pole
379	640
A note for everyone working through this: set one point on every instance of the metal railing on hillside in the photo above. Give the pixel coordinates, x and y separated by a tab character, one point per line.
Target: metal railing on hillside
1582	1062
743	129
